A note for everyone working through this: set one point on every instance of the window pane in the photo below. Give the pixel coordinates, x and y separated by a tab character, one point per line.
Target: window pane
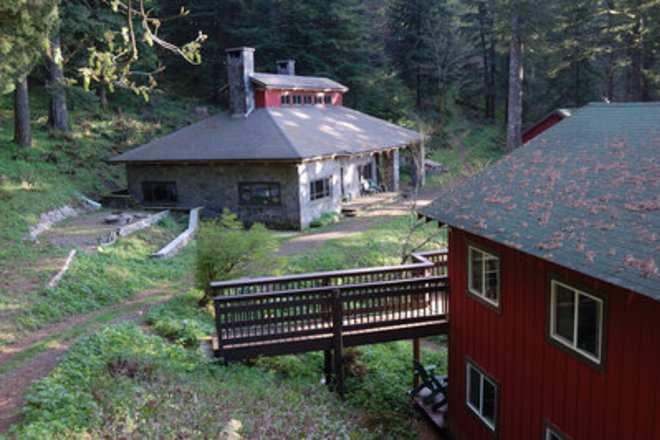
564	306
476	259
489	402
551	435
492	275
589	317
474	383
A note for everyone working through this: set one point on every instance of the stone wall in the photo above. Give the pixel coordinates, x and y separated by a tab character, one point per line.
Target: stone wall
216	186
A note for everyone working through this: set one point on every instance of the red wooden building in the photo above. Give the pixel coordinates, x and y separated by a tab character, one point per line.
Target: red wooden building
555	292
544	123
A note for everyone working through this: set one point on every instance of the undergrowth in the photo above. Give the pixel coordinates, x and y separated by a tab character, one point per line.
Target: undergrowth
121	383
109	276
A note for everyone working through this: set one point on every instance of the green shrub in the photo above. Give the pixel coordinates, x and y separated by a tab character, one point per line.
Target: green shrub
225	250
325	219
181	320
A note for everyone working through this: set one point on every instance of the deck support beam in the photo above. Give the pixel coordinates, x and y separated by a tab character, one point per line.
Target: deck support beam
417	355
338	342
327	367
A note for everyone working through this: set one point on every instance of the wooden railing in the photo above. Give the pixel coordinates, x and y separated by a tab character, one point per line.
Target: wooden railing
331	310
424	264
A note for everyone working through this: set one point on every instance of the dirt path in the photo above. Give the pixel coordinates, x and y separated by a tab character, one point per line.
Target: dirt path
55	340
366	218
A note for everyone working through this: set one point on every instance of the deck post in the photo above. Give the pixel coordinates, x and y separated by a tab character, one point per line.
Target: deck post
219	352
327	367
338	343
417	355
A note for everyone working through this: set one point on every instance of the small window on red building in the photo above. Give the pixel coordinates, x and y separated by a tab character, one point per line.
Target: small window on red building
327	100
484	275
308	99
551	432
577	322
285	99
318	99
297	99
481	394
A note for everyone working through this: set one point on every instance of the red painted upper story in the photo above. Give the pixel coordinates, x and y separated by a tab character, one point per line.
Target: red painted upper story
296	98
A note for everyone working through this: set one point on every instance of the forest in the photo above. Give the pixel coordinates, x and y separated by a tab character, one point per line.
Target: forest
502	61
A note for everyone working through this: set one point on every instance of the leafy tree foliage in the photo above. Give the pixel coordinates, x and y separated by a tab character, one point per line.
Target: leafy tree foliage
225	250
24	27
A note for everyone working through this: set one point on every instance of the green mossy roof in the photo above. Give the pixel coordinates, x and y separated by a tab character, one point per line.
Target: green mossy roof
585	194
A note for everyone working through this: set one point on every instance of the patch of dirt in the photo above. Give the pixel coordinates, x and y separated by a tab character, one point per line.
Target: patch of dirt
365	219
14	384
85	232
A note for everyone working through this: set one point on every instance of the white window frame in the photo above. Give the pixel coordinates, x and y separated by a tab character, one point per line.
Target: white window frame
551	432
469	365
481	294
572	345
325	193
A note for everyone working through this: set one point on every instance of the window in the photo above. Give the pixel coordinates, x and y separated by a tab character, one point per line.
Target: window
307	99
576	321
481	395
319	188
259	193
551	432
484	275
366	171
159	192
327	99
285	99
297	99
318	99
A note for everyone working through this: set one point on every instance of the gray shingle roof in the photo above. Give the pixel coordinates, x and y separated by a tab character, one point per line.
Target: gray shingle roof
585	194
293	82
291	133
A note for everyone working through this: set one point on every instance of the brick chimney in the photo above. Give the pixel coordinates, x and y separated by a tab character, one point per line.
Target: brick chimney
240	65
286	67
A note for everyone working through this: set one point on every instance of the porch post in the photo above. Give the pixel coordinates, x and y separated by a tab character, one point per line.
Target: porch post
417	355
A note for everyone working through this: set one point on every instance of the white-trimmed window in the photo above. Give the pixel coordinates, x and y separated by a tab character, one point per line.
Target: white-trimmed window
285	99
576	320
320	188
484	275
327	99
297	99
481	394
307	99
318	99
551	432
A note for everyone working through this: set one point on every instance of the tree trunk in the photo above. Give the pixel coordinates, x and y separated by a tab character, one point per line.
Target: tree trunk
22	134
103	96
636	62
514	112
57	113
490	92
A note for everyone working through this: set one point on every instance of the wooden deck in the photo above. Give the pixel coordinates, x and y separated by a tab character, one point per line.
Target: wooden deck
437	418
327	311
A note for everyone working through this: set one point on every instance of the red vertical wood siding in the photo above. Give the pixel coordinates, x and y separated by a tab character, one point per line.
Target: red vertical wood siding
537	381
540	127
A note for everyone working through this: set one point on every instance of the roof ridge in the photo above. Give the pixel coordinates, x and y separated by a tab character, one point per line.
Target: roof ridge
281	131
